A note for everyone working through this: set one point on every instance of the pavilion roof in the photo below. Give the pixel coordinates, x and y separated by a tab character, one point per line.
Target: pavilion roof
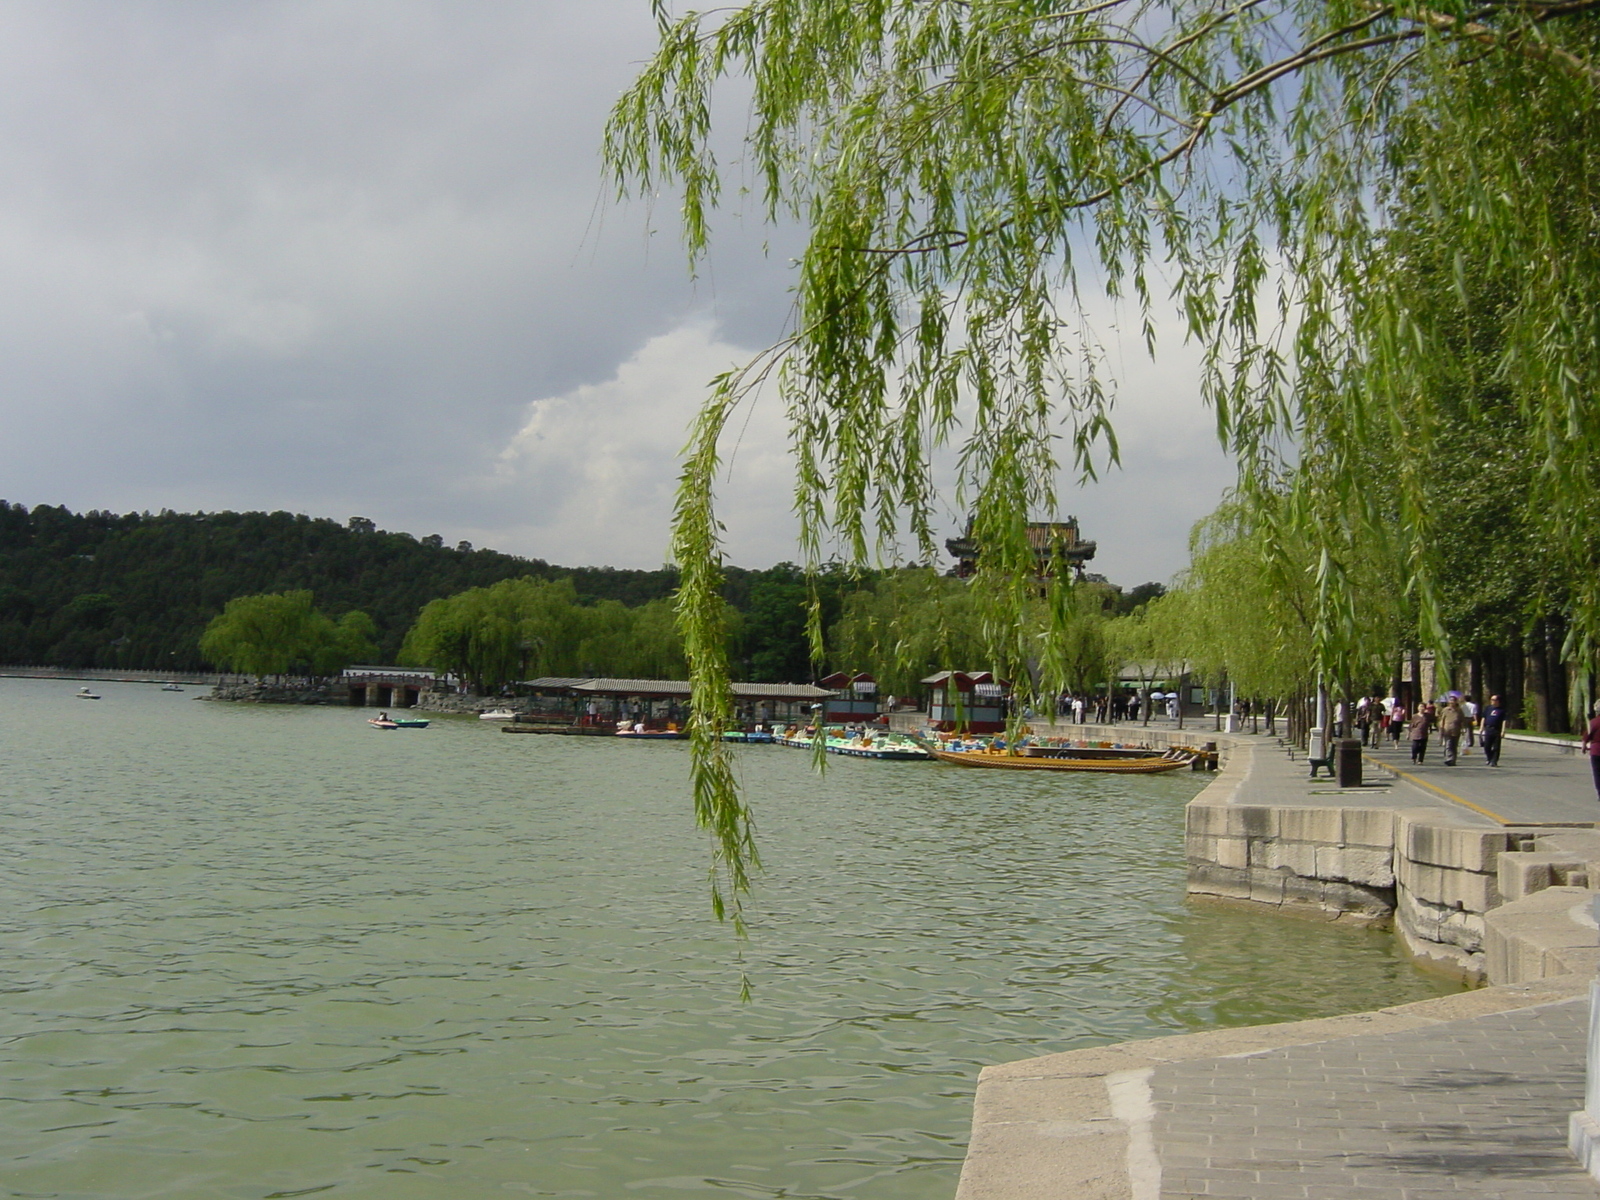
677	688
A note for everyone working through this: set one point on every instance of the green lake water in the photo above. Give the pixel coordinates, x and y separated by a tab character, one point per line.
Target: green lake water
269	952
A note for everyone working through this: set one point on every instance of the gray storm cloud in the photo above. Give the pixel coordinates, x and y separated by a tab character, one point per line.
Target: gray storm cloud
359	258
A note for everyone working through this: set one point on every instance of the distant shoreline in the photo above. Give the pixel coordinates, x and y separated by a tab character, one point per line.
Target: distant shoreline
117	675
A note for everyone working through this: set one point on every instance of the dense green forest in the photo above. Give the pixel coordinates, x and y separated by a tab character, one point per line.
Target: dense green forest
136	590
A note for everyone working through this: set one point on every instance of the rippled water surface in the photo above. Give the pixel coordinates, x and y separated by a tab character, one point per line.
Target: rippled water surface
270	952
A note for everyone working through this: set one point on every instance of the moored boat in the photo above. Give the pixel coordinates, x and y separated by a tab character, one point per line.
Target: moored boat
84	693
1118	761
171	687
498	714
749	736
860	744
639	732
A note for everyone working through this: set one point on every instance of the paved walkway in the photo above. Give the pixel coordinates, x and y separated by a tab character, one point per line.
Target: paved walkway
1535	783
1463	1096
1467	1108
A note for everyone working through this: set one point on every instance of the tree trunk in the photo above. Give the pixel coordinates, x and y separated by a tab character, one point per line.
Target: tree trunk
1496	681
1516	680
1555	633
1539	679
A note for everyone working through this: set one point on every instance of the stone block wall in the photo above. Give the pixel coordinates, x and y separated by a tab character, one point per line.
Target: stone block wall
1334	861
1436	879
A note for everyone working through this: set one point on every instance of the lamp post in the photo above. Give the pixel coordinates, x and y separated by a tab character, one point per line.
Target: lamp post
1317	746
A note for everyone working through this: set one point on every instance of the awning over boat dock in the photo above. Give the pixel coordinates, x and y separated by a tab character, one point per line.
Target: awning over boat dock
672	689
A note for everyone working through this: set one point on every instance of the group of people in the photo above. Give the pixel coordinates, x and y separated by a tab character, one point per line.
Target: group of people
1455	717
1099	710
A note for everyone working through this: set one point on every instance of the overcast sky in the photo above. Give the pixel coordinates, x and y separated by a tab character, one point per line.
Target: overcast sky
356	258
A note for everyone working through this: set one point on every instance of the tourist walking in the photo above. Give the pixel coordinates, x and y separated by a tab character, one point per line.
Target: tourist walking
1420	725
1452	724
1397	722
1494	724
1470	707
1591	745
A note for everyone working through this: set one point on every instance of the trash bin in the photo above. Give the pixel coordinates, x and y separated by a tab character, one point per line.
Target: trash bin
1348	762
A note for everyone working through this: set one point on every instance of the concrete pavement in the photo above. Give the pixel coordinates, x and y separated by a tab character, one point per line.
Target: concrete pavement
1535	783
1476	1107
1468	1095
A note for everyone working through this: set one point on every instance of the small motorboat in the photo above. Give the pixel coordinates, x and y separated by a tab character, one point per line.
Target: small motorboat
385	721
84	693
498	714
171	687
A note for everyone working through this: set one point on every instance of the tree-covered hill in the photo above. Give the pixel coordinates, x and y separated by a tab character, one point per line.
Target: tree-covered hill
136	590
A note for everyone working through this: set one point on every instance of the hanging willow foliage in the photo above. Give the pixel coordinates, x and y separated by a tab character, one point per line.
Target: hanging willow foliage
963	166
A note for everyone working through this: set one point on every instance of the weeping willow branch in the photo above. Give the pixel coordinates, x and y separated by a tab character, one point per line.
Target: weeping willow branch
696	542
961	166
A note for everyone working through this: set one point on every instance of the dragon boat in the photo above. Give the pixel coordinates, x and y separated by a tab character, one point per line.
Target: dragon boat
1037	756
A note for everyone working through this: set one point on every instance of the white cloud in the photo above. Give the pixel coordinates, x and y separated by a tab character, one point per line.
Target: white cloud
1173	470
357	257
597	466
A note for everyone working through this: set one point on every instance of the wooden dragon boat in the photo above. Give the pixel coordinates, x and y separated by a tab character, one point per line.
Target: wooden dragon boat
1148	764
1035	756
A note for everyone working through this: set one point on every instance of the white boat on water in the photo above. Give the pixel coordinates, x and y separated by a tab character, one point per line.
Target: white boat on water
84	693
498	714
171	687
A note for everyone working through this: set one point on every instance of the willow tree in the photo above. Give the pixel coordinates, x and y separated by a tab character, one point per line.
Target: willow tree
267	634
905	625
970	171
508	630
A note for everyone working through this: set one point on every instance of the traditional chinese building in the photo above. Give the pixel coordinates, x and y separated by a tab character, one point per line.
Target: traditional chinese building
851	698
973	701
1049	540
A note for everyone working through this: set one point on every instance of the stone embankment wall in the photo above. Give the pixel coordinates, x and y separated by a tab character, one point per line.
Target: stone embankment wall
250	692
1505	904
451	702
1192	738
272	693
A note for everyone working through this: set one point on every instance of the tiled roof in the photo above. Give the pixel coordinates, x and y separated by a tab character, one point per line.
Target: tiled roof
680	687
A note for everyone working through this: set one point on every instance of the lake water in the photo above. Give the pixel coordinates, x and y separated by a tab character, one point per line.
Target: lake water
270	952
